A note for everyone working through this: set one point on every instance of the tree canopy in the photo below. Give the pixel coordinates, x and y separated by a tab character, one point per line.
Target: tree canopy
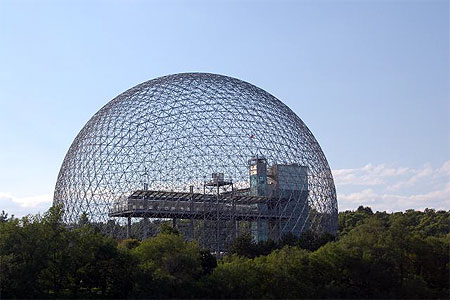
376	255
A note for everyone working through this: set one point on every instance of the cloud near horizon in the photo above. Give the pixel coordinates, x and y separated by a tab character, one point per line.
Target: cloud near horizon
387	188
22	206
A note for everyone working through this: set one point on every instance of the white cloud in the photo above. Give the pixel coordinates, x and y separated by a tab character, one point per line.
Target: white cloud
438	199
417	175
394	188
368	175
445	169
21	206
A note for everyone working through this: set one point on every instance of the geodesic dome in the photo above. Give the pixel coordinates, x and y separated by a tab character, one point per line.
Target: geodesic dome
170	134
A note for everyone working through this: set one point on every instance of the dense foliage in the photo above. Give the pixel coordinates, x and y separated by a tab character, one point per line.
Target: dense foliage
376	255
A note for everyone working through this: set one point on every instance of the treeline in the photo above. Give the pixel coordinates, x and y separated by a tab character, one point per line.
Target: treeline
376	255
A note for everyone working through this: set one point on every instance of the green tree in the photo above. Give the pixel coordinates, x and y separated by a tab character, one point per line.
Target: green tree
310	240
167	229
284	273
41	258
208	261
288	239
129	243
27	250
236	277
244	245
378	255
98	268
4	217
168	266
350	219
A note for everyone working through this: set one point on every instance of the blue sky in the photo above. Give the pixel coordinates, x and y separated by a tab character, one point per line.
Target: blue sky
369	78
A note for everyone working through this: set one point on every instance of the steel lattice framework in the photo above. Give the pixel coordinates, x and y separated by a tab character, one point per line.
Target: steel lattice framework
150	152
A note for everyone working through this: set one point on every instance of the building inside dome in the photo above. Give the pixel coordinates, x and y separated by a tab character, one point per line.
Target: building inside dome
214	156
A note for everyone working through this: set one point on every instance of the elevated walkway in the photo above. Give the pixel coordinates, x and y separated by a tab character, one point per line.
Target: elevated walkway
179	205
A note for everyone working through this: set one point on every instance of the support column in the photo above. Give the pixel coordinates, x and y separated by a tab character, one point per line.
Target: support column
145	223
234	220
129	227
191	210
191	229
218	221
